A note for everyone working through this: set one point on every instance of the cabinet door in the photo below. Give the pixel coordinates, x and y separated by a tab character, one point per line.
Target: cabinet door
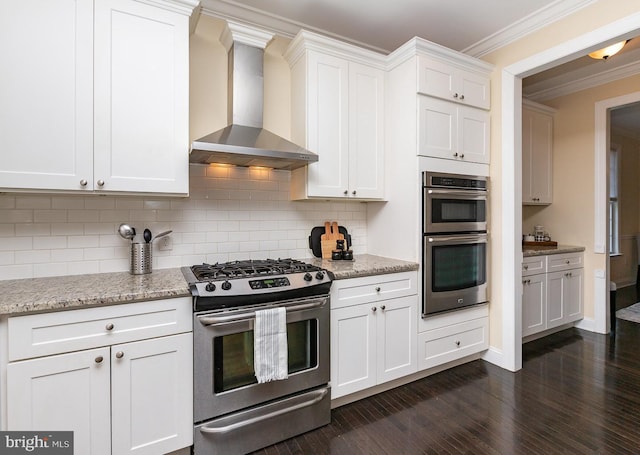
473	135
537	155
437	128
46	88
574	309
68	392
152	406
328	125
474	89
557	294
366	132
534	300
397	333
141	98
353	349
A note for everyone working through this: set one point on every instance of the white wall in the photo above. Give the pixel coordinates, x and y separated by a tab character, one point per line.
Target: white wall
232	213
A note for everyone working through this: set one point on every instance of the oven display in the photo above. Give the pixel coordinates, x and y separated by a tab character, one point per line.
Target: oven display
269	283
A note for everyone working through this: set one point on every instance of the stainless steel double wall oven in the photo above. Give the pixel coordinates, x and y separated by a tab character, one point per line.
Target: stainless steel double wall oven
454	261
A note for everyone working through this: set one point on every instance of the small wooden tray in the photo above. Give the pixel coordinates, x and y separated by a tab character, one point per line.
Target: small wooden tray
549	244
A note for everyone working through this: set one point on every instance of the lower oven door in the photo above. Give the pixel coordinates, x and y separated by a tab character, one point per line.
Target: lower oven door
224	376
454	272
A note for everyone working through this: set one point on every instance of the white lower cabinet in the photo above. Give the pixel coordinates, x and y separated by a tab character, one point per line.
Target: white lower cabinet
373	331
452	336
552	291
122	398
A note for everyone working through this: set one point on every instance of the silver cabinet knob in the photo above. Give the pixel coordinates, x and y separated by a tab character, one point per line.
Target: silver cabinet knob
462	155
455	95
383	307
119	355
353	192
455	154
109	326
374	309
378	289
83	182
458	343
567	262
99	359
461	97
526	267
100	182
346	192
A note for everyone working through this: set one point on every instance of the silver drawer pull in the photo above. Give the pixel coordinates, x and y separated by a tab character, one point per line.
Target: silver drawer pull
109	326
458	343
374	309
378	289
119	355
316	397
99	359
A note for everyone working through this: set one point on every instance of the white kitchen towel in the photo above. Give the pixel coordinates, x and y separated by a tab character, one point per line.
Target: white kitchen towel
270	359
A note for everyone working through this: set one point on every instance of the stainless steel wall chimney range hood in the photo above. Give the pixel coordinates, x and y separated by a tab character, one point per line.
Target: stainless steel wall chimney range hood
245	142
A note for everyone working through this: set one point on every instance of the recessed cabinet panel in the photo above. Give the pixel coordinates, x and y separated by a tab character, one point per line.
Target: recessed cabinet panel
438	128
69	392
141	79
46	88
366	137
327	130
537	155
534	300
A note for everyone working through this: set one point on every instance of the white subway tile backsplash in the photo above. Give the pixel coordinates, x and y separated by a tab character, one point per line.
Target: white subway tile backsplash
231	213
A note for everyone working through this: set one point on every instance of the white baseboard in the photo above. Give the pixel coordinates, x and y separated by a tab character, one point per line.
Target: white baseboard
495	356
587	324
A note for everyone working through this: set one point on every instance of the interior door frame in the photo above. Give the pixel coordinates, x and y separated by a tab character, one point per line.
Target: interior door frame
511	192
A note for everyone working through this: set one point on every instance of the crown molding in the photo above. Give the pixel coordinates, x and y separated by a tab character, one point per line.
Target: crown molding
569	86
525	26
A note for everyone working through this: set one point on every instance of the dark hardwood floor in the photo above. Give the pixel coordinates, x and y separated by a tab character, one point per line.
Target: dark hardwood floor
577	393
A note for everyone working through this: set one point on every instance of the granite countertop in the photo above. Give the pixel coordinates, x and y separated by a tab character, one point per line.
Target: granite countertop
80	291
364	265
544	251
32	295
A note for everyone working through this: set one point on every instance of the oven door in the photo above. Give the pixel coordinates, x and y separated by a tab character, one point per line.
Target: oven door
454	272
452	210
224	376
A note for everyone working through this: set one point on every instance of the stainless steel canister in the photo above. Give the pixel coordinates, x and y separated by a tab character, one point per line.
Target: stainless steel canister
141	258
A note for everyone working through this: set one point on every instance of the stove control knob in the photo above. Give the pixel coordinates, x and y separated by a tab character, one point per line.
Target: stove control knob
210	287
307	277
226	286
319	275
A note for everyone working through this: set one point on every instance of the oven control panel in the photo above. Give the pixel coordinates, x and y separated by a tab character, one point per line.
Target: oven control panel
269	283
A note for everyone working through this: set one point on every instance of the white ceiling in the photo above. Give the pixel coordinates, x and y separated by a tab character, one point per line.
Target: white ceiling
470	26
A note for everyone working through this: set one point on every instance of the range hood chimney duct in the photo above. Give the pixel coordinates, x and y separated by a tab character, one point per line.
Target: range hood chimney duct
245	142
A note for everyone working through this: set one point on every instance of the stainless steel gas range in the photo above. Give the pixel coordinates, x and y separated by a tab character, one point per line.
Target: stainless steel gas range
233	413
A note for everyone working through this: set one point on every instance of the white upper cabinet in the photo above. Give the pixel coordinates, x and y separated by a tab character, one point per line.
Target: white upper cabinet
338	113
96	96
443	80
537	154
46	94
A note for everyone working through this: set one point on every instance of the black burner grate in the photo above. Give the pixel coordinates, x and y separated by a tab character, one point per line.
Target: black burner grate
250	268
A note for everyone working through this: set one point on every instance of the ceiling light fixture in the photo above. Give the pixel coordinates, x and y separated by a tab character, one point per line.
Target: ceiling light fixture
605	53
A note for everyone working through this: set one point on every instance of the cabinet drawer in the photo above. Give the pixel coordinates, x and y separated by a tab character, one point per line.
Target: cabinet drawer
564	262
354	291
65	331
445	344
534	265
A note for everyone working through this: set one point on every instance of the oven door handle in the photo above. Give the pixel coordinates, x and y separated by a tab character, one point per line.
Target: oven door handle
454	192
458	238
220	319
318	395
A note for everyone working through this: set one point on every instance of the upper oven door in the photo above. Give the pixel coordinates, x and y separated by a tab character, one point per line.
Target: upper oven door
224	375
453	210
